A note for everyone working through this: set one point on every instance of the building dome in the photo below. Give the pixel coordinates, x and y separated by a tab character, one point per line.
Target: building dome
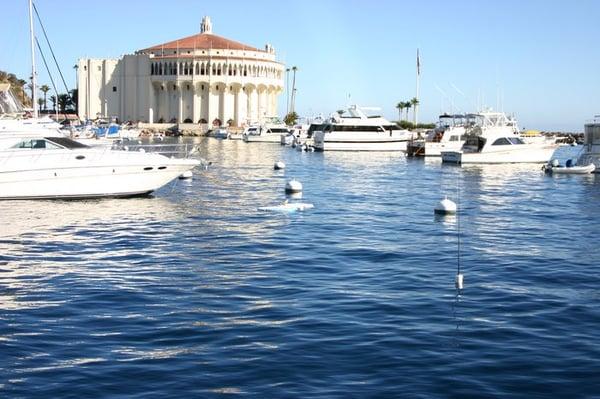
206	40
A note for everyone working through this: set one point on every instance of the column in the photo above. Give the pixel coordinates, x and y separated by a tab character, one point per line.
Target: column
180	113
236	106
196	104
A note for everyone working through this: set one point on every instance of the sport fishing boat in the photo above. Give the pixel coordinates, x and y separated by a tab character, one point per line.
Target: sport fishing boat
498	147
495	138
447	136
359	132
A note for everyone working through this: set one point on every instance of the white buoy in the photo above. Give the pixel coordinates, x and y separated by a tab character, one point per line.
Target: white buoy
294	195
293	186
459	281
445	207
186	175
279	165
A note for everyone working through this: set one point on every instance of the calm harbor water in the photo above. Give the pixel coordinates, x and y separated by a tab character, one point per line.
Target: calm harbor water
194	292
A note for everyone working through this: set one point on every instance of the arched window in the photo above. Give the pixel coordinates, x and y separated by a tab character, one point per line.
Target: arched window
219	69
181	68
152	69
197	68
214	69
202	69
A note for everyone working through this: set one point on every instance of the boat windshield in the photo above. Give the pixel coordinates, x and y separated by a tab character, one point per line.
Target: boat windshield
515	140
279	130
36	144
66	142
49	143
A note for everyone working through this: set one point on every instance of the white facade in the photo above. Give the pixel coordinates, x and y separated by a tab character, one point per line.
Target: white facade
199	79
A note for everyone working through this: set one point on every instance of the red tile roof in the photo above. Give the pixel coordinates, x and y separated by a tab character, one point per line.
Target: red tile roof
201	41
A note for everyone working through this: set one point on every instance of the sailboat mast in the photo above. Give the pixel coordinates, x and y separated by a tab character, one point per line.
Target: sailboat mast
33	72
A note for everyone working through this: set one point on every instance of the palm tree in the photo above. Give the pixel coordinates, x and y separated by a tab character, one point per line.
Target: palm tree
75	99
45	89
291	118
53	101
293	100
414	102
63	102
400	107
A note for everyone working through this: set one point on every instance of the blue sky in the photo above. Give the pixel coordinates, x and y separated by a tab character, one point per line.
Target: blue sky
535	59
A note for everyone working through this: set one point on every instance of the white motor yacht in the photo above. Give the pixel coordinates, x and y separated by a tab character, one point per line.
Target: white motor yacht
40	166
359	132
37	162
269	132
591	150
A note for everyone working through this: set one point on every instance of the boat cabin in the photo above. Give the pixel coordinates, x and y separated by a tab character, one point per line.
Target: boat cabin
476	143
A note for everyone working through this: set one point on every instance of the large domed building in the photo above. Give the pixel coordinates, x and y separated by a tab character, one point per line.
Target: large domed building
202	78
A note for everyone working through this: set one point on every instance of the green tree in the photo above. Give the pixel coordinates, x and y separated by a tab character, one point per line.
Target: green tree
64	101
413	102
45	89
291	118
54	101
75	100
400	107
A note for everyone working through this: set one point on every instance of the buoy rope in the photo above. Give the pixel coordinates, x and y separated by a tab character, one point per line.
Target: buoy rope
458	222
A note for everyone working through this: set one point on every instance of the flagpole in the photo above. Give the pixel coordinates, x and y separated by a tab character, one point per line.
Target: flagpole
417	90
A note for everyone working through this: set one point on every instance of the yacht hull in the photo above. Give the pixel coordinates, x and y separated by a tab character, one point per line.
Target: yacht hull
361	146
435	149
263	138
324	143
63	175
525	155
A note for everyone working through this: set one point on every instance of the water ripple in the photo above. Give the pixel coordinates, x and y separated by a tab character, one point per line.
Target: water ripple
196	293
